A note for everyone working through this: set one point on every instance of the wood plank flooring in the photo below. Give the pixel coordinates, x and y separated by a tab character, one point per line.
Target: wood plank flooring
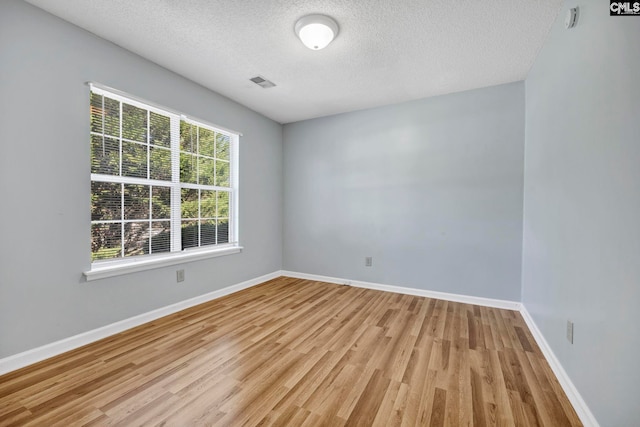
293	352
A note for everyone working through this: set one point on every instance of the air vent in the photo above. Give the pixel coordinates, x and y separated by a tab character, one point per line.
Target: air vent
262	82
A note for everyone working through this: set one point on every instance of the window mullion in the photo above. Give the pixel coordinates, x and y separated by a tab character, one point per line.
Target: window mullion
120	137
197	151
176	238
215	180
151	188
148	144
129	180
122	221
234	177
150	229
120	144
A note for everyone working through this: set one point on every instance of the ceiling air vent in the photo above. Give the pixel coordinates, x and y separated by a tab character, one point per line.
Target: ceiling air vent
262	82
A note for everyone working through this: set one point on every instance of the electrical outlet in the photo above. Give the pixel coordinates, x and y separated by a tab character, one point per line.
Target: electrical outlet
180	276
368	261
570	331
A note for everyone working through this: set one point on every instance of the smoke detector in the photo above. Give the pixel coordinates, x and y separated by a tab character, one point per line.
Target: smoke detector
571	19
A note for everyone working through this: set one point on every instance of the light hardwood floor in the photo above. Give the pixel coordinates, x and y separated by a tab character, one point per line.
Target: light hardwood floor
294	352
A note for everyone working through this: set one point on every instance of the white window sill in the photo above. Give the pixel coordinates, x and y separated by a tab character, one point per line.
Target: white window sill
101	271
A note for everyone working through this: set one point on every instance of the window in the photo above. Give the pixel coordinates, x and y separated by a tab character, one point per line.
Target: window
162	184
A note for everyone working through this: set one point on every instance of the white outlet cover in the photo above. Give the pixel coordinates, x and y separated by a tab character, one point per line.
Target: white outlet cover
570	331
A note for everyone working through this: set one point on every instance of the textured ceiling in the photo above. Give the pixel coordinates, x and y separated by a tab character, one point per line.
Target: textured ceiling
386	52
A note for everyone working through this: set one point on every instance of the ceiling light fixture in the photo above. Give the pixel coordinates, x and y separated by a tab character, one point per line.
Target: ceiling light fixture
316	31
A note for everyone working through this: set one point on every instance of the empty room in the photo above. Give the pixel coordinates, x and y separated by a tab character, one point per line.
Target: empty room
319	213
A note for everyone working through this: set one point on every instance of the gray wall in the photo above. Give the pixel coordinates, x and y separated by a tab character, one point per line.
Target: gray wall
44	179
582	205
432	189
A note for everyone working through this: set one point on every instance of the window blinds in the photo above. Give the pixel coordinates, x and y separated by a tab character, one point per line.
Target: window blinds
160	183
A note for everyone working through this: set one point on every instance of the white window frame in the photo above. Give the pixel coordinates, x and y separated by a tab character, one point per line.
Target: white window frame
123	265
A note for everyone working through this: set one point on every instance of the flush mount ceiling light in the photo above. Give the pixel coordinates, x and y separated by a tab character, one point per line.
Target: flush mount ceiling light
316	31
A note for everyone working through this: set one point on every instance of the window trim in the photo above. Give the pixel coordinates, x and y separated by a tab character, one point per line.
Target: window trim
132	265
125	265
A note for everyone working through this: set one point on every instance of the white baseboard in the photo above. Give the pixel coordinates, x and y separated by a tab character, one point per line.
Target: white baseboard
585	415
570	390
487	302
38	354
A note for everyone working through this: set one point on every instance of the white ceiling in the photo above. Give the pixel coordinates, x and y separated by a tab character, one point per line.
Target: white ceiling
386	52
